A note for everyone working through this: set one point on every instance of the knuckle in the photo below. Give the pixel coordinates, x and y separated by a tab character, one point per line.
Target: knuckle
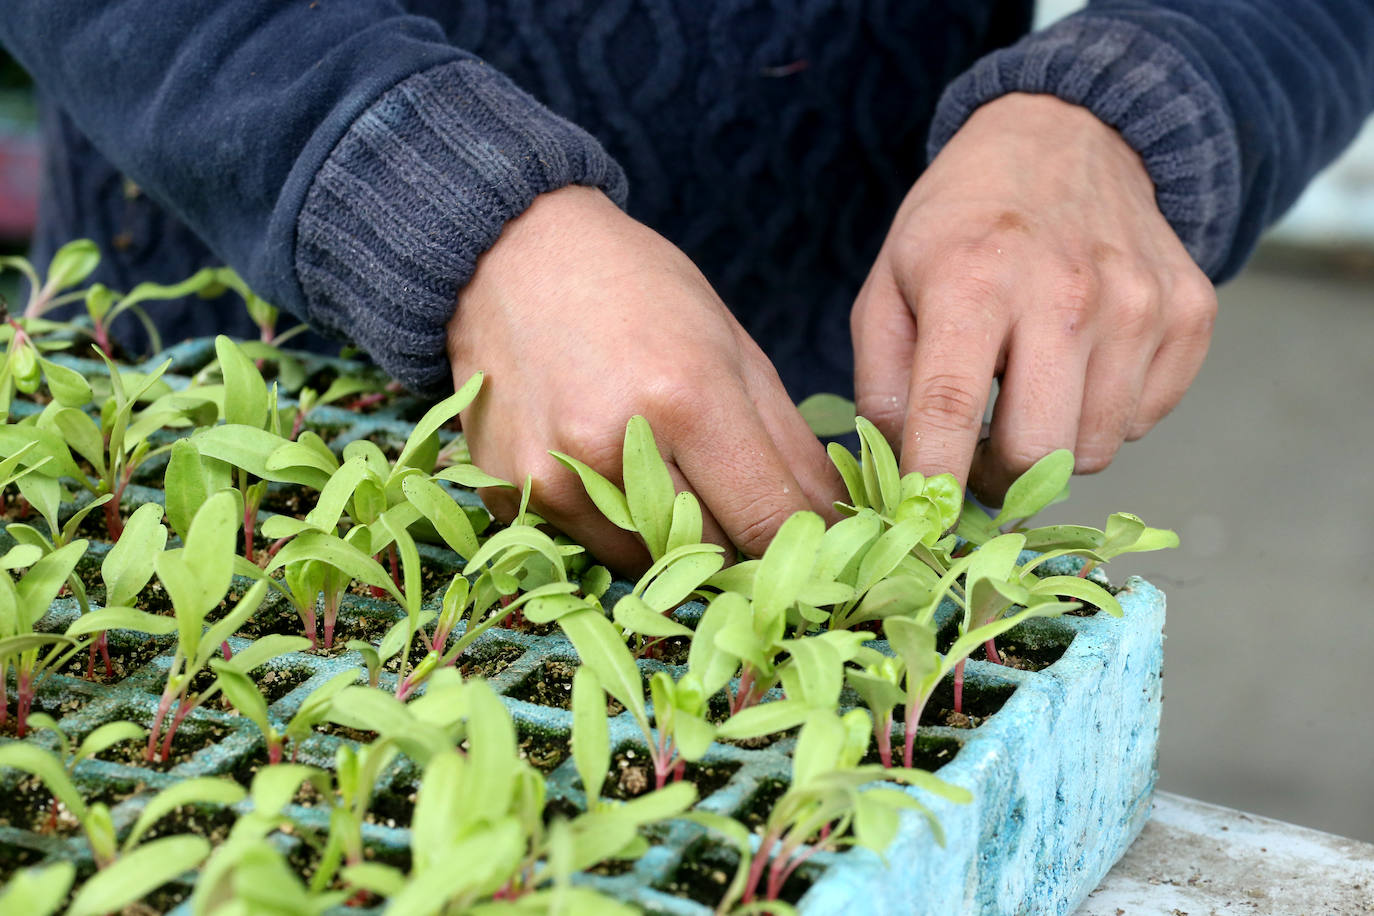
1136	309
766	516
1075	295
1197	307
948	402
1093	458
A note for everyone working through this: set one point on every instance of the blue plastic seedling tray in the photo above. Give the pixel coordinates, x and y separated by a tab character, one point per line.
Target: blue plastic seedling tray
1062	773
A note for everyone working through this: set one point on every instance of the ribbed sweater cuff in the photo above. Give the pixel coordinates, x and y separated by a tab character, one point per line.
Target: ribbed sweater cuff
420	186
1164	108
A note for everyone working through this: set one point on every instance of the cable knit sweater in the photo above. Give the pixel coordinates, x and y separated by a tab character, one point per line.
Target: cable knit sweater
353	158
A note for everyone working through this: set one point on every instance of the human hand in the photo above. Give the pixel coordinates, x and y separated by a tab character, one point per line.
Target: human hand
581	318
1031	249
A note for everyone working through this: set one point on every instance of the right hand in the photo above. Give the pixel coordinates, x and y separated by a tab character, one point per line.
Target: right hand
581	317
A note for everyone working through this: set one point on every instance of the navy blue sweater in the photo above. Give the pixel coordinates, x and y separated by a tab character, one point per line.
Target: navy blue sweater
352	158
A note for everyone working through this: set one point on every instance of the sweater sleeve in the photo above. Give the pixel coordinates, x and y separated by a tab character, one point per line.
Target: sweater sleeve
1234	105
344	157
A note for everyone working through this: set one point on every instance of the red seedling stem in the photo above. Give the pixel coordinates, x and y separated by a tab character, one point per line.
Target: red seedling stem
183	708
746	695
959	686
101	644
757	866
990	647
882	732
913	722
24	685
163	705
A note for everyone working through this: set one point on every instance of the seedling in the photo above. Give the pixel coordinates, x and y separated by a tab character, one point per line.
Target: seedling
128	870
99	739
828	805
22	604
239	688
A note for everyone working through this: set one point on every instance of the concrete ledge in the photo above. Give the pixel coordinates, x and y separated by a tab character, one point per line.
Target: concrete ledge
1200	859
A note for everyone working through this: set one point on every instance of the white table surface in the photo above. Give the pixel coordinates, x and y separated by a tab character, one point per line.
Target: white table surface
1198	859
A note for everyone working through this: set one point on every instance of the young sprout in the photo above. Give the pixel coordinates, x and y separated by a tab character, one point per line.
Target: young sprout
99	739
197	578
130	870
70	266
32	655
104	305
829	804
239	688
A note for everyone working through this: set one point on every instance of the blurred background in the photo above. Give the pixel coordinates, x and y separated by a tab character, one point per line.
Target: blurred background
1264	470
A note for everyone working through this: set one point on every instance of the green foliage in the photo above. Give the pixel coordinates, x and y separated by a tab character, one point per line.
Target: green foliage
779	638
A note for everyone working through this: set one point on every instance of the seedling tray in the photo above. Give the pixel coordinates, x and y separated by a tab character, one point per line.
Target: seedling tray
1062	773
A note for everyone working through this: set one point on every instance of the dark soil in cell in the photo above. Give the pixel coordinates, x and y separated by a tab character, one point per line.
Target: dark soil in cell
489	662
543	751
192	736
293	501
343	731
1030	658
672	651
708	868
28	805
163	900
272	683
50	703
980	702
613	868
718	710
754	814
126	659
632	775
551	685
14	857
930	752
210	821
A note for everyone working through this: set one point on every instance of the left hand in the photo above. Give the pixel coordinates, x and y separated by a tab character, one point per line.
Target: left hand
1031	249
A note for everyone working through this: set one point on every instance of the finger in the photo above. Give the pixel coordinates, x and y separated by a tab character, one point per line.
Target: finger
795	442
1116	376
1178	360
1111	396
884	336
1041	396
726	454
711	531
959	339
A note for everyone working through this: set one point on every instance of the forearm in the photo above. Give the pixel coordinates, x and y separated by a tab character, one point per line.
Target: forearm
345	158
1232	104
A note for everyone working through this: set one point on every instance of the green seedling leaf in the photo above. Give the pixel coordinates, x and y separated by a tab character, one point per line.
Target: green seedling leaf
850	472
1084	590
71	264
201	790
107	736
245	392
38	891
138	873
437	416
712	666
226	625
677	574
69	530
634	614
828	414
122	618
881	477
600	648
262	650
338	553
649	491
82	435
49	769
447	517
249	448
605	495
69	388
197	576
686	527
21	555
1037	488
315	707
130	563
44	580
764	719
787	563
308	453
472	477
